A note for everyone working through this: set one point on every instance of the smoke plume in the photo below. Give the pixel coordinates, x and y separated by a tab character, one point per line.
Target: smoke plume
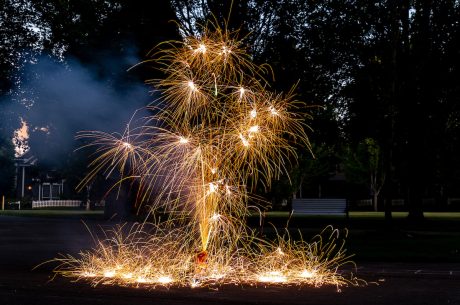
58	99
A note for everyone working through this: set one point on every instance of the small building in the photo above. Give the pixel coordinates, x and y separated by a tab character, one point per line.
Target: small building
31	183
23	178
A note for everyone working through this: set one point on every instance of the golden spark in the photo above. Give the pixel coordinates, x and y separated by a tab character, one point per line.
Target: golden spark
183	140
205	185
192	85
254	129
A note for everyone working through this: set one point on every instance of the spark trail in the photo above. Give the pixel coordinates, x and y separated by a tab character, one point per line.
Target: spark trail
215	132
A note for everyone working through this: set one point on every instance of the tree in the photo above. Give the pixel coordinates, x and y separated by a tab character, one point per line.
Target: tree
305	178
98	34
364	165
313	169
7	167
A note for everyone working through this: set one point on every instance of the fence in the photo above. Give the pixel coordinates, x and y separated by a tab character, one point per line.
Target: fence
453	201
55	203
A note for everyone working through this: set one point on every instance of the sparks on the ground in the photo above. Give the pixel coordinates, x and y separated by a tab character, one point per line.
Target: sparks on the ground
203	188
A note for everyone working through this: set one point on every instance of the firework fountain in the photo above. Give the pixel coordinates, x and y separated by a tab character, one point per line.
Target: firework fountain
215	132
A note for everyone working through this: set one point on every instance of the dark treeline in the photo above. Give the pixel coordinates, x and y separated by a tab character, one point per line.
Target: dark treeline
384	73
64	67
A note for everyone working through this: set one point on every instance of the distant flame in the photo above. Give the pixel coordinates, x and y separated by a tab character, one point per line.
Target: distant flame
20	139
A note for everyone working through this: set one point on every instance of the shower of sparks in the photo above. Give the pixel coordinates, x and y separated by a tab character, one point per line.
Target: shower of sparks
203	179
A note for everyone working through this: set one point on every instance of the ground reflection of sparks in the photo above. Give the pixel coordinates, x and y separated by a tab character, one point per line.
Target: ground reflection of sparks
206	240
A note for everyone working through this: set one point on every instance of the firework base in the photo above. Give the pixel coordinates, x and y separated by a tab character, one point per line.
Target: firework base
26	242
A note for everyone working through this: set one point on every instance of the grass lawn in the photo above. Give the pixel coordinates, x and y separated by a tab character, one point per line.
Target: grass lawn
357	215
370	238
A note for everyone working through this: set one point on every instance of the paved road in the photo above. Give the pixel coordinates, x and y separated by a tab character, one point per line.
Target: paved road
25	242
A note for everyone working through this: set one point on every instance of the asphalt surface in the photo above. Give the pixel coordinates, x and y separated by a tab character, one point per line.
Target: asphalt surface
28	241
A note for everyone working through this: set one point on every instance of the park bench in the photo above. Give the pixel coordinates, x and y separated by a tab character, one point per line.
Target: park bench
320	206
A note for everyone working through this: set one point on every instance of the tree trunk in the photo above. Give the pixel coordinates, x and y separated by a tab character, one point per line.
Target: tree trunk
375	201
300	188
415	204
388	208
418	114
387	194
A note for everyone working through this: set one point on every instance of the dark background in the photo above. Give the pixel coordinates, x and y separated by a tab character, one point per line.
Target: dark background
380	77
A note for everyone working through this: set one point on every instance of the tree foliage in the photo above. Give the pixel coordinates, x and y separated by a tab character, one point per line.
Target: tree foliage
383	70
364	165
7	167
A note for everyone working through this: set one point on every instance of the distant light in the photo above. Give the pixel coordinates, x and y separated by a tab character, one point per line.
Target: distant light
253	113
127	145
213	170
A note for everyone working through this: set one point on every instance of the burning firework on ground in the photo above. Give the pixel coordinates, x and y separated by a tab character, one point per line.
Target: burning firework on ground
214	134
